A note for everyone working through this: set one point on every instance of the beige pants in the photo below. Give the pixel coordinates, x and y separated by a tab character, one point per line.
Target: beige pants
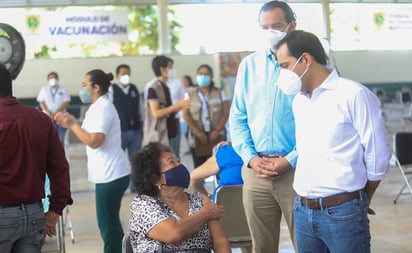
264	201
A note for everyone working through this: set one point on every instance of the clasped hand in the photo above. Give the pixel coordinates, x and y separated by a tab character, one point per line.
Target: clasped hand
266	167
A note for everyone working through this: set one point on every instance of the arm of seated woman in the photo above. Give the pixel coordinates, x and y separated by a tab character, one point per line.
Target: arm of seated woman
176	231
219	238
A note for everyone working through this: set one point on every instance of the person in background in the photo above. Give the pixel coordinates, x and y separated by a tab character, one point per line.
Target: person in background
342	145
54	98
107	164
187	83
207	115
262	130
29	148
165	218
160	122
129	105
225	163
177	91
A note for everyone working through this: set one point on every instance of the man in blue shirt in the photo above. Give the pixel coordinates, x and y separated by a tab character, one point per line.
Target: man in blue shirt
263	134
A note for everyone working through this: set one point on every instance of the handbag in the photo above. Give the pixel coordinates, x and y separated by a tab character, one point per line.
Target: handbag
205	149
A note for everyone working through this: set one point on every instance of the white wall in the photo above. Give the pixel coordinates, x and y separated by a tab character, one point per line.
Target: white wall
364	66
71	71
375	66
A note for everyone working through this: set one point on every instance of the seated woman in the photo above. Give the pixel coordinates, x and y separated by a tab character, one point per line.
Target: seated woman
225	163
164	218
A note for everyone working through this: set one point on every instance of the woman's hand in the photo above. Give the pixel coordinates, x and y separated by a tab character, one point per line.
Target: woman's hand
65	119
213	136
202	137
212	210
184	103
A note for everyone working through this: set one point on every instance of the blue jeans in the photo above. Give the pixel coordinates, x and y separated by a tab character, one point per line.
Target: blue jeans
174	144
22	228
61	131
131	141
337	229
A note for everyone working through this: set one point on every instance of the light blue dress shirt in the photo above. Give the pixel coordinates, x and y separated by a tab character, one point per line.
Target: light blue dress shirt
261	118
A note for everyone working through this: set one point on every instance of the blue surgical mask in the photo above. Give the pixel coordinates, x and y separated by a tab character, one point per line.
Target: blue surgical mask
178	176
203	80
85	96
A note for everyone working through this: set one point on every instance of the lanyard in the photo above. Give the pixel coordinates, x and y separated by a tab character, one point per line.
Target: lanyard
53	92
204	99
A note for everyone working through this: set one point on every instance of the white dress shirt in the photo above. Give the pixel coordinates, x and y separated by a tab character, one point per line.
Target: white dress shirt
341	138
53	96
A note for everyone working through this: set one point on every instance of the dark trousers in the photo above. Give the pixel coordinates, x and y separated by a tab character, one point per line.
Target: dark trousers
108	201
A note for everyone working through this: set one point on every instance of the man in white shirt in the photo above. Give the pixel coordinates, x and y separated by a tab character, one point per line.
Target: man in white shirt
342	147
54	98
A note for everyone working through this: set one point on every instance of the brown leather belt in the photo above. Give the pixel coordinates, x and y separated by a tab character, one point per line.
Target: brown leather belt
330	201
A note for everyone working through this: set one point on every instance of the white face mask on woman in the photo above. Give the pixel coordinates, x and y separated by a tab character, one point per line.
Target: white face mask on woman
288	81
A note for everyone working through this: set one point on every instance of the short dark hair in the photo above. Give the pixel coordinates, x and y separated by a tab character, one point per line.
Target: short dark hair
146	168
5	82
289	14
53	73
99	77
300	42
121	66
158	62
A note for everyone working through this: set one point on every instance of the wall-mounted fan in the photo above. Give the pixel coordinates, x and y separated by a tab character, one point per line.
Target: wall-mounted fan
12	49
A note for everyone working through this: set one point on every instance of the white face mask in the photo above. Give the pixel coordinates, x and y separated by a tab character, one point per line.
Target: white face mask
274	36
53	82
289	82
124	80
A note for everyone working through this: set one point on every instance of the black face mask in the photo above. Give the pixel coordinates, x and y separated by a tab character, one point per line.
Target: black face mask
178	176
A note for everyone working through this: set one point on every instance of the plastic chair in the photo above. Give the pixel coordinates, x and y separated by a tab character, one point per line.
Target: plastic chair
402	143
234	221
126	246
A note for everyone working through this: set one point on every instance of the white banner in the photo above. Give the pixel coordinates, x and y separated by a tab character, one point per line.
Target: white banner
72	26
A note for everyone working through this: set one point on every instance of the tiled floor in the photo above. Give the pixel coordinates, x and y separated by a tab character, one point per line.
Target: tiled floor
391	227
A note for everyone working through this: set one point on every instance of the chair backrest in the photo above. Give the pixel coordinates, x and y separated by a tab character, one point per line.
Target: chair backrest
126	246
234	221
403	147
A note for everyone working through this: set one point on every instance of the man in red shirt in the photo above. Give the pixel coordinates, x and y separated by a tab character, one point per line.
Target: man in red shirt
29	148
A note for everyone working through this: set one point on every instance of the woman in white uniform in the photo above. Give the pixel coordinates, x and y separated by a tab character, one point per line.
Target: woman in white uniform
108	166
